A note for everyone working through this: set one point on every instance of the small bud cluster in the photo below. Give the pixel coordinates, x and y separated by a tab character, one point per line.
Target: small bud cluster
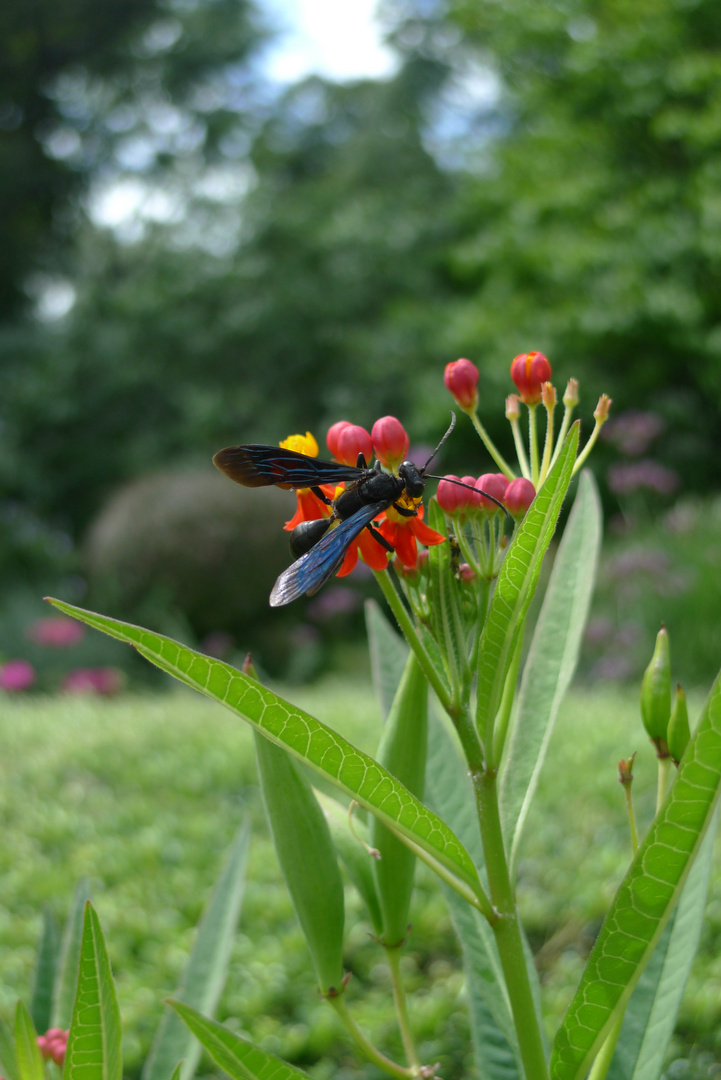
53	1045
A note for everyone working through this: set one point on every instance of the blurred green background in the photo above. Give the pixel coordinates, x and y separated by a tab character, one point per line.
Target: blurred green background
193	254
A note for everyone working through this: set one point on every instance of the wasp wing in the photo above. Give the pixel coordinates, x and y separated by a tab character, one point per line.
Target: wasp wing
256	465
308	573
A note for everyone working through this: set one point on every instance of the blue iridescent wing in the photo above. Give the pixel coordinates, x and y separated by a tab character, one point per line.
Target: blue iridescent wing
311	571
256	465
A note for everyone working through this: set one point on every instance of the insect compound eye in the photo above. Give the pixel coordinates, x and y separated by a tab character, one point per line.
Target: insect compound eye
409	474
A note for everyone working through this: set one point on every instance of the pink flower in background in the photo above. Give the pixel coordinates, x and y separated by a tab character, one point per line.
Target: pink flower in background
57	631
16	675
99	680
626	477
53	1045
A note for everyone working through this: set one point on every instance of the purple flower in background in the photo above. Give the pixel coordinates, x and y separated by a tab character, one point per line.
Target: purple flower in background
57	631
338	600
99	680
633	431
625	478
16	675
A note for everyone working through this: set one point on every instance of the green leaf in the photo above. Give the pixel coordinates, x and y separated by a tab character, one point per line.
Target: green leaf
46	966
652	1010
352	853
207	967
402	750
388	652
94	1039
551	661
311	742
8	1062
67	978
516	585
234	1054
307	859
645	900
27	1052
176	1071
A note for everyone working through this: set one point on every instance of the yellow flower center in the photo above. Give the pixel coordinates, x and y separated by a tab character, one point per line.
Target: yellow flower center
302	444
408	504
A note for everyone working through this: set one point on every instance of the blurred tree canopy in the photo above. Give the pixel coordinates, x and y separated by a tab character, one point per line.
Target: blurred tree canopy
535	175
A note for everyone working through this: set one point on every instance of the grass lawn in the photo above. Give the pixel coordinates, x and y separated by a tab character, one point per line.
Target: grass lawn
142	794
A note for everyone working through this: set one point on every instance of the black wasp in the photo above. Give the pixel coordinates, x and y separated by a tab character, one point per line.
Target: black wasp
318	548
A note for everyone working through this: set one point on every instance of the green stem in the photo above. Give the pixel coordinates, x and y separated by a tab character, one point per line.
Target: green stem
533	444
631	817
507	929
520	449
605	1055
504	713
491	448
406	624
365	1045
664	775
588	447
399	996
547	445
563	431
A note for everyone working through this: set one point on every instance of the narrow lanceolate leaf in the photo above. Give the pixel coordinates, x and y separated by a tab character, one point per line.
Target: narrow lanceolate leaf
67	977
307	859
651	1014
516	585
8	1062
388	652
402	751
46	966
352	844
234	1054
28	1056
645	900
94	1039
311	742
552	660
207	966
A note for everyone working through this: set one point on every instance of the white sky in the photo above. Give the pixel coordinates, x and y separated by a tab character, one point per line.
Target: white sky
339	39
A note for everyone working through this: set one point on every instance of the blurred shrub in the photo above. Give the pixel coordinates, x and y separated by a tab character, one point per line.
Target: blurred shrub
190	546
660	571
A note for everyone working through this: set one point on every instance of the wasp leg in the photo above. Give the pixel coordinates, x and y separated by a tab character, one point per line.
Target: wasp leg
380	538
320	495
403	511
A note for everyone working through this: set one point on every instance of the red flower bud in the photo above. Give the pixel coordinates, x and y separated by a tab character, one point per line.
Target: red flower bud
519	495
390	441
350	441
53	1045
529	371
332	436
471	500
461	378
494	484
449	495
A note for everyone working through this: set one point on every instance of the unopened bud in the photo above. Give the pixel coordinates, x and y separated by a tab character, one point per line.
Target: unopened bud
529	371
518	496
549	396
570	398
513	407
679	731
249	669
625	769
656	692
461	379
603	409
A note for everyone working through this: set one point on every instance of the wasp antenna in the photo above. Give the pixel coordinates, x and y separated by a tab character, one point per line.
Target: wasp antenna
440	444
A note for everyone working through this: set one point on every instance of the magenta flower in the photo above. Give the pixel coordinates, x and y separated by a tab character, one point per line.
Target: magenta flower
53	1045
16	675
57	631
